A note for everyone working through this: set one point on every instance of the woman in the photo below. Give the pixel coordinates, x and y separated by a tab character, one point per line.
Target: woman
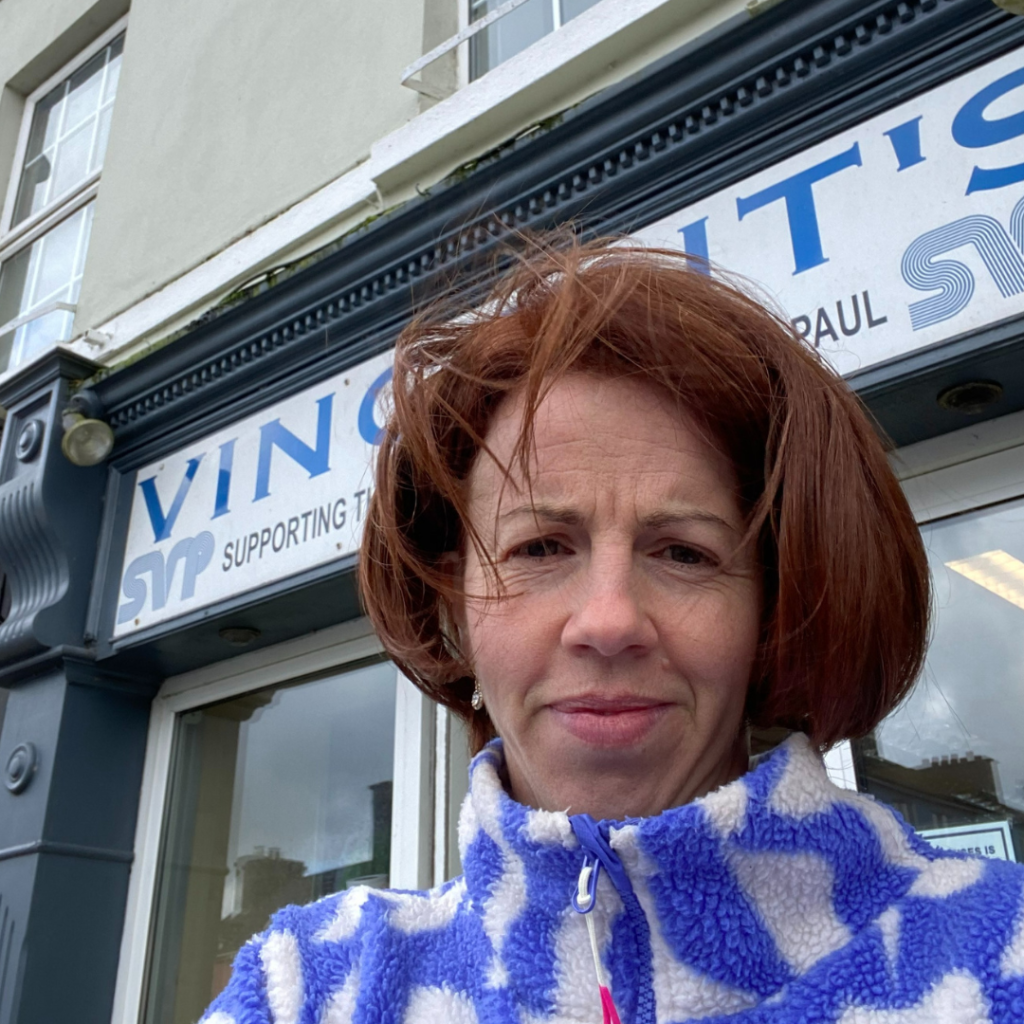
623	516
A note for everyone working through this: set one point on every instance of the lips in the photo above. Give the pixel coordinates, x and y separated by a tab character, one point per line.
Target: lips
608	720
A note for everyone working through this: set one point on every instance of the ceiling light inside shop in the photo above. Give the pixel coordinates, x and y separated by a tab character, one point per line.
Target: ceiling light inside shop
996	571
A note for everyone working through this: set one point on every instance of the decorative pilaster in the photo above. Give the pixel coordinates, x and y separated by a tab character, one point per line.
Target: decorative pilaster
50	513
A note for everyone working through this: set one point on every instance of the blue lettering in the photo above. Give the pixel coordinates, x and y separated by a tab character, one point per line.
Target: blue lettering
972	130
368	429
314	460
196	553
227	457
1017	224
164	524
695	243
906	143
953	279
134	586
799	196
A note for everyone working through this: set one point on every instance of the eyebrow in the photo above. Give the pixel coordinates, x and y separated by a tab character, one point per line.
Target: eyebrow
568	516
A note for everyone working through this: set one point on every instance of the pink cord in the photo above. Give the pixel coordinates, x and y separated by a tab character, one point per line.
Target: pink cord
584	903
610	1016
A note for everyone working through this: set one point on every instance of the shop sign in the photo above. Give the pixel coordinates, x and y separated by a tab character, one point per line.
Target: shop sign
897	234
280	492
991	839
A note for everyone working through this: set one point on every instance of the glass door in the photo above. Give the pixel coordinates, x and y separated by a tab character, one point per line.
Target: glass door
281	795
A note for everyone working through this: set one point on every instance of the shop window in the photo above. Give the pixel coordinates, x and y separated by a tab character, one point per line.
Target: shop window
951	759
279	796
49	207
517	29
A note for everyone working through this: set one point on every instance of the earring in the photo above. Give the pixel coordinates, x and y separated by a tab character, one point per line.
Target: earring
477	700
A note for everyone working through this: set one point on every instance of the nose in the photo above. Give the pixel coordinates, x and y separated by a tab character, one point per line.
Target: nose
609	615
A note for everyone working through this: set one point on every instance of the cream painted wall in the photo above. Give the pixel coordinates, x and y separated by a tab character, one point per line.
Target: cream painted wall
229	112
248	133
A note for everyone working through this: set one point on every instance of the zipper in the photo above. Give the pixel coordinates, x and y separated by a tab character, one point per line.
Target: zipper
597	856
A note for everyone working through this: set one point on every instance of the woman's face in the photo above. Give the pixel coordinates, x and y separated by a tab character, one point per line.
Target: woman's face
615	666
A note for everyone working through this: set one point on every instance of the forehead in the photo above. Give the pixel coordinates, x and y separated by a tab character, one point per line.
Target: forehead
603	430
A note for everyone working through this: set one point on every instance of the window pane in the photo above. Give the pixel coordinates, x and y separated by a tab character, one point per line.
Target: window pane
47	271
508	35
65	127
84	91
45	123
952	754
570	8
280	796
72	163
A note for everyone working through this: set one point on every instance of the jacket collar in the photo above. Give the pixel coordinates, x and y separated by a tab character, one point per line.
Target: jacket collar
744	890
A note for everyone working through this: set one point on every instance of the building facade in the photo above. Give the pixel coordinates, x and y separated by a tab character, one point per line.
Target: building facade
215	220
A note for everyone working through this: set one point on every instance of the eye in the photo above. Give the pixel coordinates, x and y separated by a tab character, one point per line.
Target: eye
540	547
683	554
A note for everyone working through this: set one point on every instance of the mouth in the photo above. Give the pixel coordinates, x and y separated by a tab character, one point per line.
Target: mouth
609	720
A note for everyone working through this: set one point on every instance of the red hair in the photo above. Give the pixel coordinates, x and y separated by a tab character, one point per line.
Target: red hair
846	586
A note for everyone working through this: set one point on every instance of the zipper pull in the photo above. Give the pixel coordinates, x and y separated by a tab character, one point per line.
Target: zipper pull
583	901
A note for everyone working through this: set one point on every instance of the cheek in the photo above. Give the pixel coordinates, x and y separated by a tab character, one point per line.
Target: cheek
714	640
512	644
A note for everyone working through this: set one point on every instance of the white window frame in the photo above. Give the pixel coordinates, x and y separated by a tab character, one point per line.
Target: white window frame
13	239
965	470
327	651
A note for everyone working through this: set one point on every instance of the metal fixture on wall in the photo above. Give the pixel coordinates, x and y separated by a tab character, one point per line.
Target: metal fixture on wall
20	768
448	45
30	440
87	440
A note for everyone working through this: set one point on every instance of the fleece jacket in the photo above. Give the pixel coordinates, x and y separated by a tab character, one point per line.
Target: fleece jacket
777	899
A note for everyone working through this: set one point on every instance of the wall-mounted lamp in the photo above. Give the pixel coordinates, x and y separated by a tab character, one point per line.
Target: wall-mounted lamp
87	440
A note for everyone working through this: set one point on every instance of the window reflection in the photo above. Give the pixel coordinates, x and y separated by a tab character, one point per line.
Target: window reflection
952	754
279	796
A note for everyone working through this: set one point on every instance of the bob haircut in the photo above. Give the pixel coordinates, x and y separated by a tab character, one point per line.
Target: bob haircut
845	578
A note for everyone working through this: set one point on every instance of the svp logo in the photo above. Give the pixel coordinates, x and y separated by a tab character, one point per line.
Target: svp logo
230	481
193	554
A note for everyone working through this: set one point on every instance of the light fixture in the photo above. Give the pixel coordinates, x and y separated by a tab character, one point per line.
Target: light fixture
971	397
239	636
997	571
87	440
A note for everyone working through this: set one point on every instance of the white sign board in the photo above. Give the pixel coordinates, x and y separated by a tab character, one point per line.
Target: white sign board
282	491
899	233
991	839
